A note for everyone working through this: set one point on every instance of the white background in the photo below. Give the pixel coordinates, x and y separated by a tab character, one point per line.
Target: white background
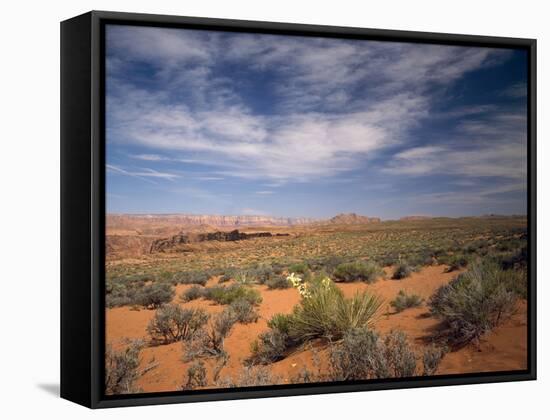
29	238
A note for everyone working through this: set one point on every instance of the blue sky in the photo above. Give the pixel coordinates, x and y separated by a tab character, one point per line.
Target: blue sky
225	123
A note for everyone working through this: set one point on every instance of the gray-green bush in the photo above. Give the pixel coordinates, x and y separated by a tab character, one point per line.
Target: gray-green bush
173	323
154	295
403	301
357	271
476	301
121	369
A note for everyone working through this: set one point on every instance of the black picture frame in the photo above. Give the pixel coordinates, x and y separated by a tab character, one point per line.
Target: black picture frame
83	207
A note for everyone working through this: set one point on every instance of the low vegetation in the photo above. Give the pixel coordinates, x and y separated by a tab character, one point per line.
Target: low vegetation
209	341
173	323
402	270
357	271
244	312
476	301
194	292
404	301
363	354
278	282
121	368
323	313
155	295
250	376
225	295
191	277
196	376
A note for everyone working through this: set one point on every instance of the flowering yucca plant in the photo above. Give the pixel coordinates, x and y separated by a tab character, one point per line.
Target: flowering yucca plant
325	312
299	284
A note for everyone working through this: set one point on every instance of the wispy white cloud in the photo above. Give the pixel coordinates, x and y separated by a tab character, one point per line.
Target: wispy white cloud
496	194
143	173
321	128
492	147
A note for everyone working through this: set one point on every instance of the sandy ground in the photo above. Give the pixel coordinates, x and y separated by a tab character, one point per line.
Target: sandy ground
503	349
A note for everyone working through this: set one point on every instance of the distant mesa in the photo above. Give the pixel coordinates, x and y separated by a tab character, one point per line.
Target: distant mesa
163	245
352	219
211	220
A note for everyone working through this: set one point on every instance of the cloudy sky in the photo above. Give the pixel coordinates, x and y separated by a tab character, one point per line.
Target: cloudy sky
227	123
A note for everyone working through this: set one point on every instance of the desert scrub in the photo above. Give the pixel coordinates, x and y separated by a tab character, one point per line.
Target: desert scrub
357	271
431	358
209	340
125	290
196	376
250	376
269	347
325	312
119	294
476	301
401	271
364	354
244	311
227	295
456	262
121	368
261	274
191	277
300	268
193	293
172	323
154	295
278	282
403	301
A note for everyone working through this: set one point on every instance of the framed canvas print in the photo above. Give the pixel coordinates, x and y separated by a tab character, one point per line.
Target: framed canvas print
256	209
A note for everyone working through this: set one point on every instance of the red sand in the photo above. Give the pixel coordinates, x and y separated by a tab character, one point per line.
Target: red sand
503	349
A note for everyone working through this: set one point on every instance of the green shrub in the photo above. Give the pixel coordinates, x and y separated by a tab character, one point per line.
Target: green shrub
261	274
119	294
269	347
477	246
191	277
196	376
272	345
298	268
155	295
512	260
280	322
329	264
388	260
226	276
363	354
403	301
244	311
357	271
431	358
125	290
250	376
209	341
401	271
121	369
194	292
172	323
325	312
475	301
226	295
456	262
278	282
